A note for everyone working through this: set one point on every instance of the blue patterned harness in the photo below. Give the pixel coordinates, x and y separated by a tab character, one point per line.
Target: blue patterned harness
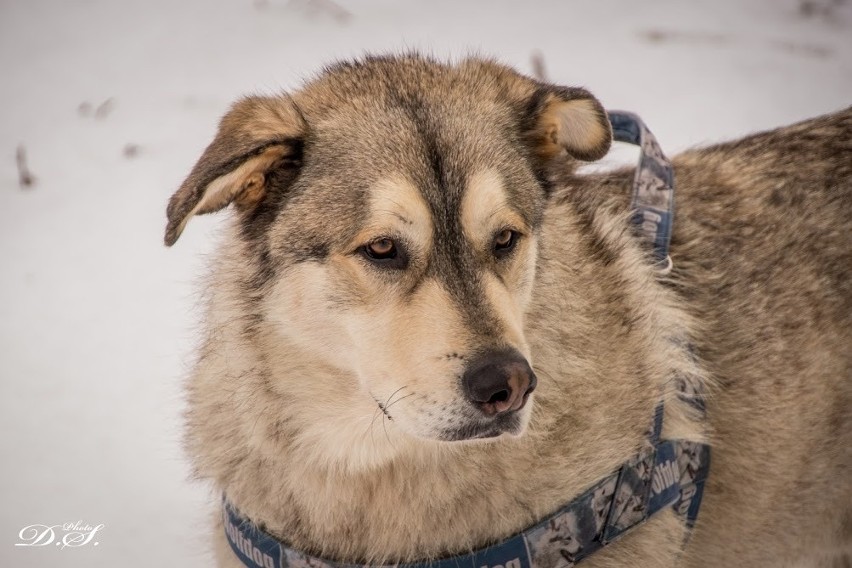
667	474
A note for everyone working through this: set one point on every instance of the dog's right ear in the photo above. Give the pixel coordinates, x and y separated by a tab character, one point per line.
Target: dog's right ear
258	135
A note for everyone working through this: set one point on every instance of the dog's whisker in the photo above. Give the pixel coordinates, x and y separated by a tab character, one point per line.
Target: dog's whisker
385	427
384	406
394	393
381	410
400	399
372	423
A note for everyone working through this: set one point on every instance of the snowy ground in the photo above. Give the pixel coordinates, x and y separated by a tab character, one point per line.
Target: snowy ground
112	101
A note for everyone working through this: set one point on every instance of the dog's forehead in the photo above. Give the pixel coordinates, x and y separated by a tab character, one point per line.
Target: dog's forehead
401	112
402	129
440	146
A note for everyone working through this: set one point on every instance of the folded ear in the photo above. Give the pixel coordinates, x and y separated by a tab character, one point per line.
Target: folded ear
258	135
567	119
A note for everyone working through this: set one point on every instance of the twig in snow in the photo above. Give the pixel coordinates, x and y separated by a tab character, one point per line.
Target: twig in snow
340	14
25	178
130	151
538	69
824	8
693	37
104	108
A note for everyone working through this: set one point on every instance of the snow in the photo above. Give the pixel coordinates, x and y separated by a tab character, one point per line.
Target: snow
112	102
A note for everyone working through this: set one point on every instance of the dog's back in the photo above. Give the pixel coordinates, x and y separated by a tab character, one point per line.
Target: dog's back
762	254
763	249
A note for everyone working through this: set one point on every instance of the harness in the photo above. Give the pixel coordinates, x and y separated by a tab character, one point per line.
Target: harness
665	474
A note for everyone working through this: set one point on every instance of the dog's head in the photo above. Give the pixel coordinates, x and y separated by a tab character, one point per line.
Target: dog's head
390	211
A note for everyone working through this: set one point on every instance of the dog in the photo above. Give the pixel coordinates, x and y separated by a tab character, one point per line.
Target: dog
428	331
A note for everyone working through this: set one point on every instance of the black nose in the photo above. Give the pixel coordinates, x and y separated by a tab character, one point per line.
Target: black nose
499	381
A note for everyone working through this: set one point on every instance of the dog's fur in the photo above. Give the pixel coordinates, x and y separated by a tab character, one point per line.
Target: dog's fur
326	401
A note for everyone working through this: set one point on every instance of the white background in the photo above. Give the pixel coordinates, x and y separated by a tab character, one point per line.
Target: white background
97	318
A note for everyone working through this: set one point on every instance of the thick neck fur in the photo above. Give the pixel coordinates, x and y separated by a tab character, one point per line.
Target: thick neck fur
296	446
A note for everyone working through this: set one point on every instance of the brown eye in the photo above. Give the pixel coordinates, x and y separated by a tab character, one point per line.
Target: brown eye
504	242
382	248
386	253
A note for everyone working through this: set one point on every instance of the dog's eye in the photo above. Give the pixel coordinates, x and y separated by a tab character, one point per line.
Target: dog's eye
504	242
385	252
381	249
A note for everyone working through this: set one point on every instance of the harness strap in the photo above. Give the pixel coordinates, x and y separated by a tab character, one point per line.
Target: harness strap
653	184
670	474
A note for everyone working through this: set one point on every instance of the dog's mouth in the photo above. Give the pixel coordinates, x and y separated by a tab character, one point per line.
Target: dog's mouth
458	424
510	423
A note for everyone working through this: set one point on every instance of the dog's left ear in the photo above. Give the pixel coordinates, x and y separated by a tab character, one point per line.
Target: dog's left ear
567	119
257	136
